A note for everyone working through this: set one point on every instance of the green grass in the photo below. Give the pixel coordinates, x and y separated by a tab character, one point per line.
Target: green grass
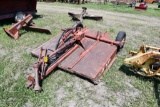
152	10
64	89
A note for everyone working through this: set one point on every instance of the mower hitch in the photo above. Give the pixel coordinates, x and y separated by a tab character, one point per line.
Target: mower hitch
25	24
77	50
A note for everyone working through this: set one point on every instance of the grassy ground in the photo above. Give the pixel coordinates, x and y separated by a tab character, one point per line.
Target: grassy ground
152	11
118	87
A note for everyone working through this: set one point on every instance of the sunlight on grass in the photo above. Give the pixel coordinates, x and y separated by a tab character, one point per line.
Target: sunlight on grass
118	87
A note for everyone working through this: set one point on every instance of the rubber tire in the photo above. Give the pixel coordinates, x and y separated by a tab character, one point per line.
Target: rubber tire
19	16
159	6
120	36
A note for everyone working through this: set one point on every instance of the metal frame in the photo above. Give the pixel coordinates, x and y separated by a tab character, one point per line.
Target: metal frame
25	24
84	15
9	8
146	61
76	46
143	6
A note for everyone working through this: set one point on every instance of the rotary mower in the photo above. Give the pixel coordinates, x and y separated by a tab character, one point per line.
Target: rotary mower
78	50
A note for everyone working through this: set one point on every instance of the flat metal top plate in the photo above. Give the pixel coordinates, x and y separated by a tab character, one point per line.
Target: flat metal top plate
90	61
51	44
87	61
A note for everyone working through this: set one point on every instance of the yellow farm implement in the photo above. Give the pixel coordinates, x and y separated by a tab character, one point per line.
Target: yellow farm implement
145	62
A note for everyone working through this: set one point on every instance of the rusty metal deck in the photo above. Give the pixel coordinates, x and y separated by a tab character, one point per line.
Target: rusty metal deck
89	61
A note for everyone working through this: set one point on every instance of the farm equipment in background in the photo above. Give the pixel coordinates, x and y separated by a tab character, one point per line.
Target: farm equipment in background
83	15
159	4
149	1
131	3
145	62
26	24
78	50
17	9
143	6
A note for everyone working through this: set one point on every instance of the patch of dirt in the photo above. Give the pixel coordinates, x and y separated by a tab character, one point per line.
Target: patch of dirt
3	51
86	94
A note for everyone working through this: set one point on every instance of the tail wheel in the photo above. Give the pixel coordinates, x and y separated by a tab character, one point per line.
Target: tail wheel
121	37
19	16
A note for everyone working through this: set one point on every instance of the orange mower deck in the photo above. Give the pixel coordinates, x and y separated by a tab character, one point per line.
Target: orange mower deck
88	54
90	61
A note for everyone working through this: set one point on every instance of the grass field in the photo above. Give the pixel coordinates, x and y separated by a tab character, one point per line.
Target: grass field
118	87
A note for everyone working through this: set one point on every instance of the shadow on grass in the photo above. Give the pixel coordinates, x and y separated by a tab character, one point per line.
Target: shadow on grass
41	81
157	9
6	21
125	69
62	70
80	76
36	16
